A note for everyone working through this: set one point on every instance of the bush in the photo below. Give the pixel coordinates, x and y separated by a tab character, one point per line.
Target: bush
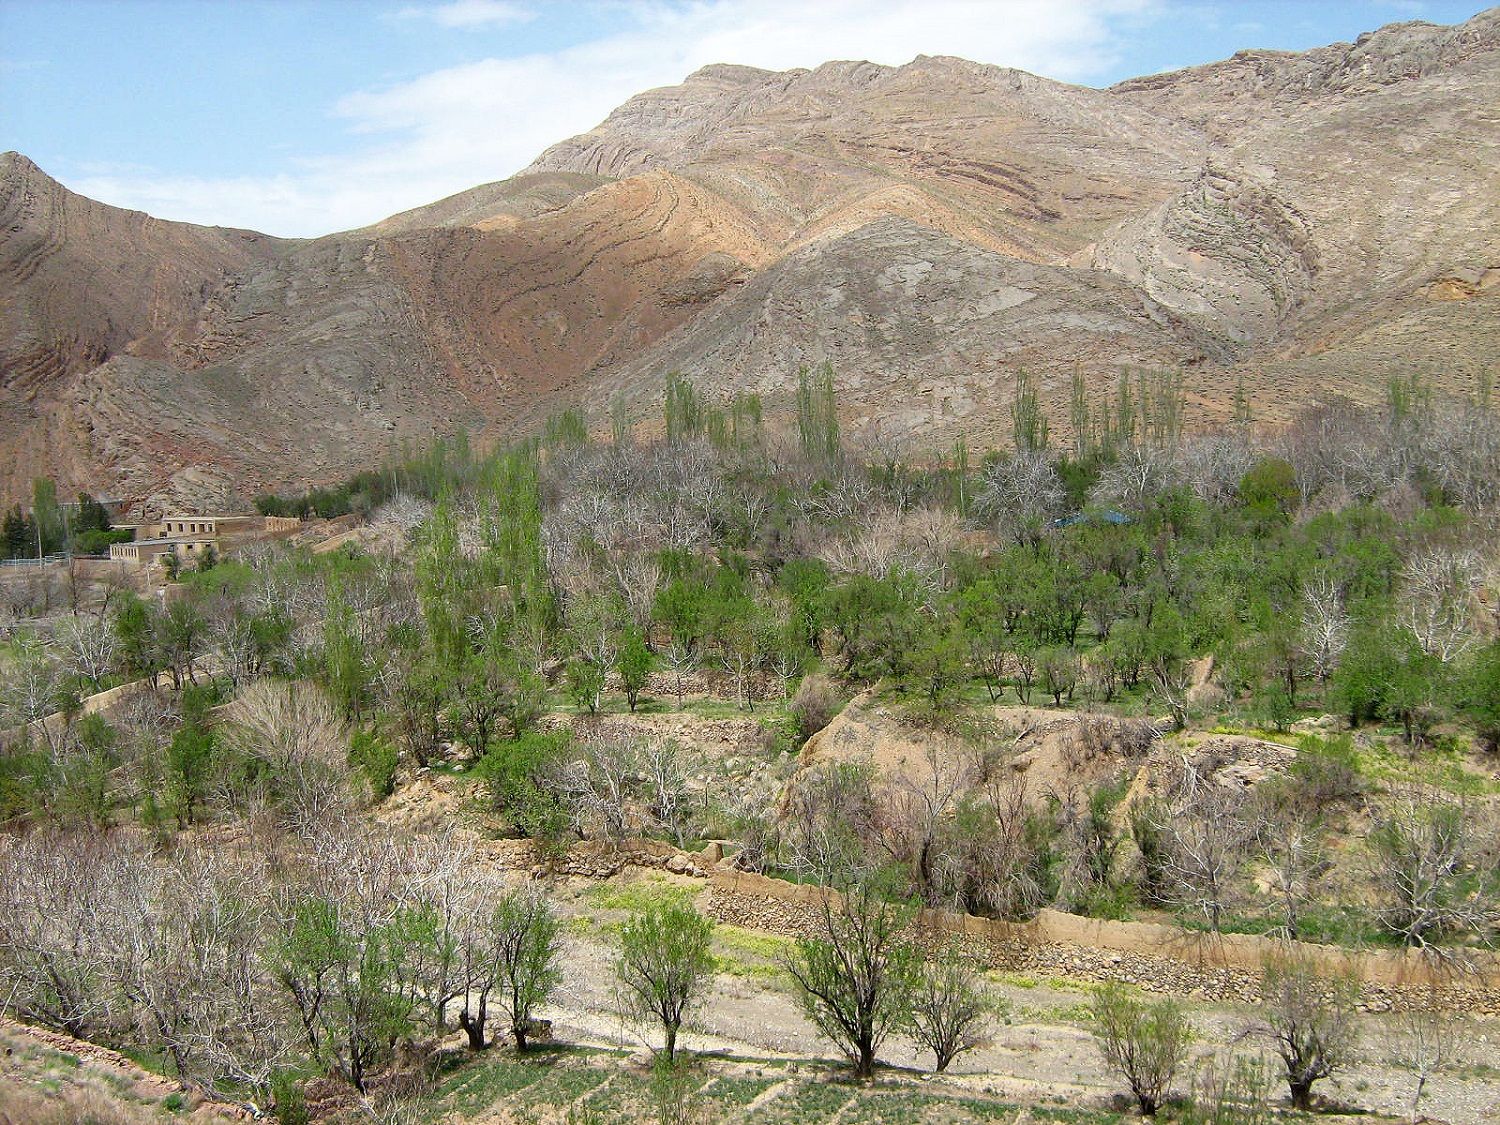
516	774
815	704
1324	777
374	759
1328	773
290	1102
1144	1044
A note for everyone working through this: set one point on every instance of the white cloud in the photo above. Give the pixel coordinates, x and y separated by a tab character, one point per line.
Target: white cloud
465	125
471	13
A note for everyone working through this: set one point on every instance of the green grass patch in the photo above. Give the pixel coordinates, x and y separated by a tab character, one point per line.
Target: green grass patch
600	1086
1280	738
482	1084
749	970
752	943
808	1101
156	1062
50	1057
564	1085
1320	923
1029	980
637	895
736	1093
1442	767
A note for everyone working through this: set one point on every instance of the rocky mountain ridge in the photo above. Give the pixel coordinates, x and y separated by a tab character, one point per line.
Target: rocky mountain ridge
1312	222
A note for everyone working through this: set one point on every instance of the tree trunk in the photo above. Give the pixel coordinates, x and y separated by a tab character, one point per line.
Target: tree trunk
1416	1098
864	1065
671	1044
473	1027
356	1066
1301	1093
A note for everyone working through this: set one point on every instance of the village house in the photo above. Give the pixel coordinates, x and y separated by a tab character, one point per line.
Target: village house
189	536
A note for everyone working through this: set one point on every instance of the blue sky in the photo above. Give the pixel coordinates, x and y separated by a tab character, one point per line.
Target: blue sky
299	117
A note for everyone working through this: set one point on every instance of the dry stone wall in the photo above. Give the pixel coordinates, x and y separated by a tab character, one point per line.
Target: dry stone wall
1155	957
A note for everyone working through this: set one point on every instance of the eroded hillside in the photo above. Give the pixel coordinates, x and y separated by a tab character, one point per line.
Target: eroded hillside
1313	223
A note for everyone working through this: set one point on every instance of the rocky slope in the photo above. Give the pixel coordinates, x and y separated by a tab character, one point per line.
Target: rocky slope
1315	222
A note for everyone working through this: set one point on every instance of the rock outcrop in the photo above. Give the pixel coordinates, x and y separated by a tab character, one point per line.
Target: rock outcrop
1304	222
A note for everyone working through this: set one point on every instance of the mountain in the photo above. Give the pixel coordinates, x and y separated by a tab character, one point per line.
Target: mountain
1310	223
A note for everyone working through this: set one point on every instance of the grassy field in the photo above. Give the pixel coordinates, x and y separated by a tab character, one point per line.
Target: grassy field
584	1087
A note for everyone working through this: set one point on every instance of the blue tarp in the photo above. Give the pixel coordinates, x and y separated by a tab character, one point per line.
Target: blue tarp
1108	515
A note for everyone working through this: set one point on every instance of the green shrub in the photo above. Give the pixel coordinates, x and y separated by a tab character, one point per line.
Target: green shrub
516	772
374	759
1143	1043
289	1100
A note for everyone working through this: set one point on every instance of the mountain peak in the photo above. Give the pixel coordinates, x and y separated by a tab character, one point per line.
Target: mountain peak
731	73
1299	221
19	166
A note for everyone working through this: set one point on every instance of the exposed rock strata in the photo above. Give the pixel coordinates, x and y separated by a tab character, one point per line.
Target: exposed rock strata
1309	222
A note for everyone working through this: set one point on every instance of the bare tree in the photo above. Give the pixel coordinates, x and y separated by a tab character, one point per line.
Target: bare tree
829	817
88	648
665	785
1139	473
1437	600
1309	1017
600	788
232	640
1205	839
1021	494
950	1010
55	900
1434	864
1428	1038
296	734
915	804
637	575
1296	857
1325	626
994	854
185	951
743	655
679	657
35	686
1213	465
885	539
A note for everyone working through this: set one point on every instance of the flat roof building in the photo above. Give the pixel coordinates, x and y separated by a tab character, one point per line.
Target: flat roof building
150	550
210	526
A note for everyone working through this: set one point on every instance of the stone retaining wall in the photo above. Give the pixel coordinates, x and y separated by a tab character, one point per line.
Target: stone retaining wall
1158	958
